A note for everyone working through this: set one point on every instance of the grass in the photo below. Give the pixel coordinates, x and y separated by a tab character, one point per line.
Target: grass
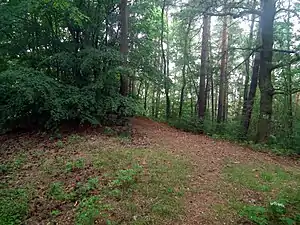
149	189
13	206
261	193
92	182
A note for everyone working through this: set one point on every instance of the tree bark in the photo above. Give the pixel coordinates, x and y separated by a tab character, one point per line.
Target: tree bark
207	92
185	63
157	102
216	101
124	90
153	102
212	97
290	127
265	82
211	76
191	100
146	96
133	84
253	86
166	78
139	89
222	86
251	96
168	100
247	62
204	65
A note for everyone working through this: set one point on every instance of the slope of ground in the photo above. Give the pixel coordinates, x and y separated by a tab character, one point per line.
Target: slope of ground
209	158
156	175
88	179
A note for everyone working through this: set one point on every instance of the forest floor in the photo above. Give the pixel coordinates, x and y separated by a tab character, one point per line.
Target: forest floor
155	175
225	176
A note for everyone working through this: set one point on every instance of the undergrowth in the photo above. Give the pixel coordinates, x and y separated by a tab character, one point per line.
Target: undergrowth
13	205
263	194
101	186
32	100
232	131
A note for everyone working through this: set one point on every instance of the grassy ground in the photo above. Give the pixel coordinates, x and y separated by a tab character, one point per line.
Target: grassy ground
89	180
108	179
263	194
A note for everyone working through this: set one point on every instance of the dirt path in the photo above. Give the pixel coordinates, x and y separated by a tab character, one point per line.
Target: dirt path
208	158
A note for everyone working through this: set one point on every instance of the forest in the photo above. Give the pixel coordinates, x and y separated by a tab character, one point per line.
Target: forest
149	112
220	67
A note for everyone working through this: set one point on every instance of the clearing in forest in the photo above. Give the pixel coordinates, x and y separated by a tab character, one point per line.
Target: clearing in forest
156	175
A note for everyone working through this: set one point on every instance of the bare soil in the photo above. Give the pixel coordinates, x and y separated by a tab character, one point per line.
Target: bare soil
208	157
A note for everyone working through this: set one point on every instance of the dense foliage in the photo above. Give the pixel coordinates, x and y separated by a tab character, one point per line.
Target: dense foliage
32	99
204	66
59	64
245	93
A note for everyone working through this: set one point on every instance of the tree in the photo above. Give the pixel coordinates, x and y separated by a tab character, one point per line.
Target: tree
164	59
249	97
124	45
204	66
86	60
265	79
247	62
224	53
185	64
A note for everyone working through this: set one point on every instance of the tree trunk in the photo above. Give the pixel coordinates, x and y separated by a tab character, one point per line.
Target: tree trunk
209	82
157	102
182	92
191	100
203	68
153	102
168	100
222	86
253	86
212	97
206	95
211	77
139	89
133	84
265	82
247	62
166	78
185	63
297	105
146	96
124	46
290	127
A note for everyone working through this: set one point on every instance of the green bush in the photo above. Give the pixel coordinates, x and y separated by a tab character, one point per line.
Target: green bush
193	125
231	130
31	99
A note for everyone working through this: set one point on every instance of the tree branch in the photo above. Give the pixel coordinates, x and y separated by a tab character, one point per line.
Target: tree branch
194	83
235	15
274	50
294	60
251	53
294	91
289	10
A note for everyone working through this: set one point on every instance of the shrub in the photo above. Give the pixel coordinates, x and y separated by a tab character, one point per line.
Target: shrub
31	99
193	125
